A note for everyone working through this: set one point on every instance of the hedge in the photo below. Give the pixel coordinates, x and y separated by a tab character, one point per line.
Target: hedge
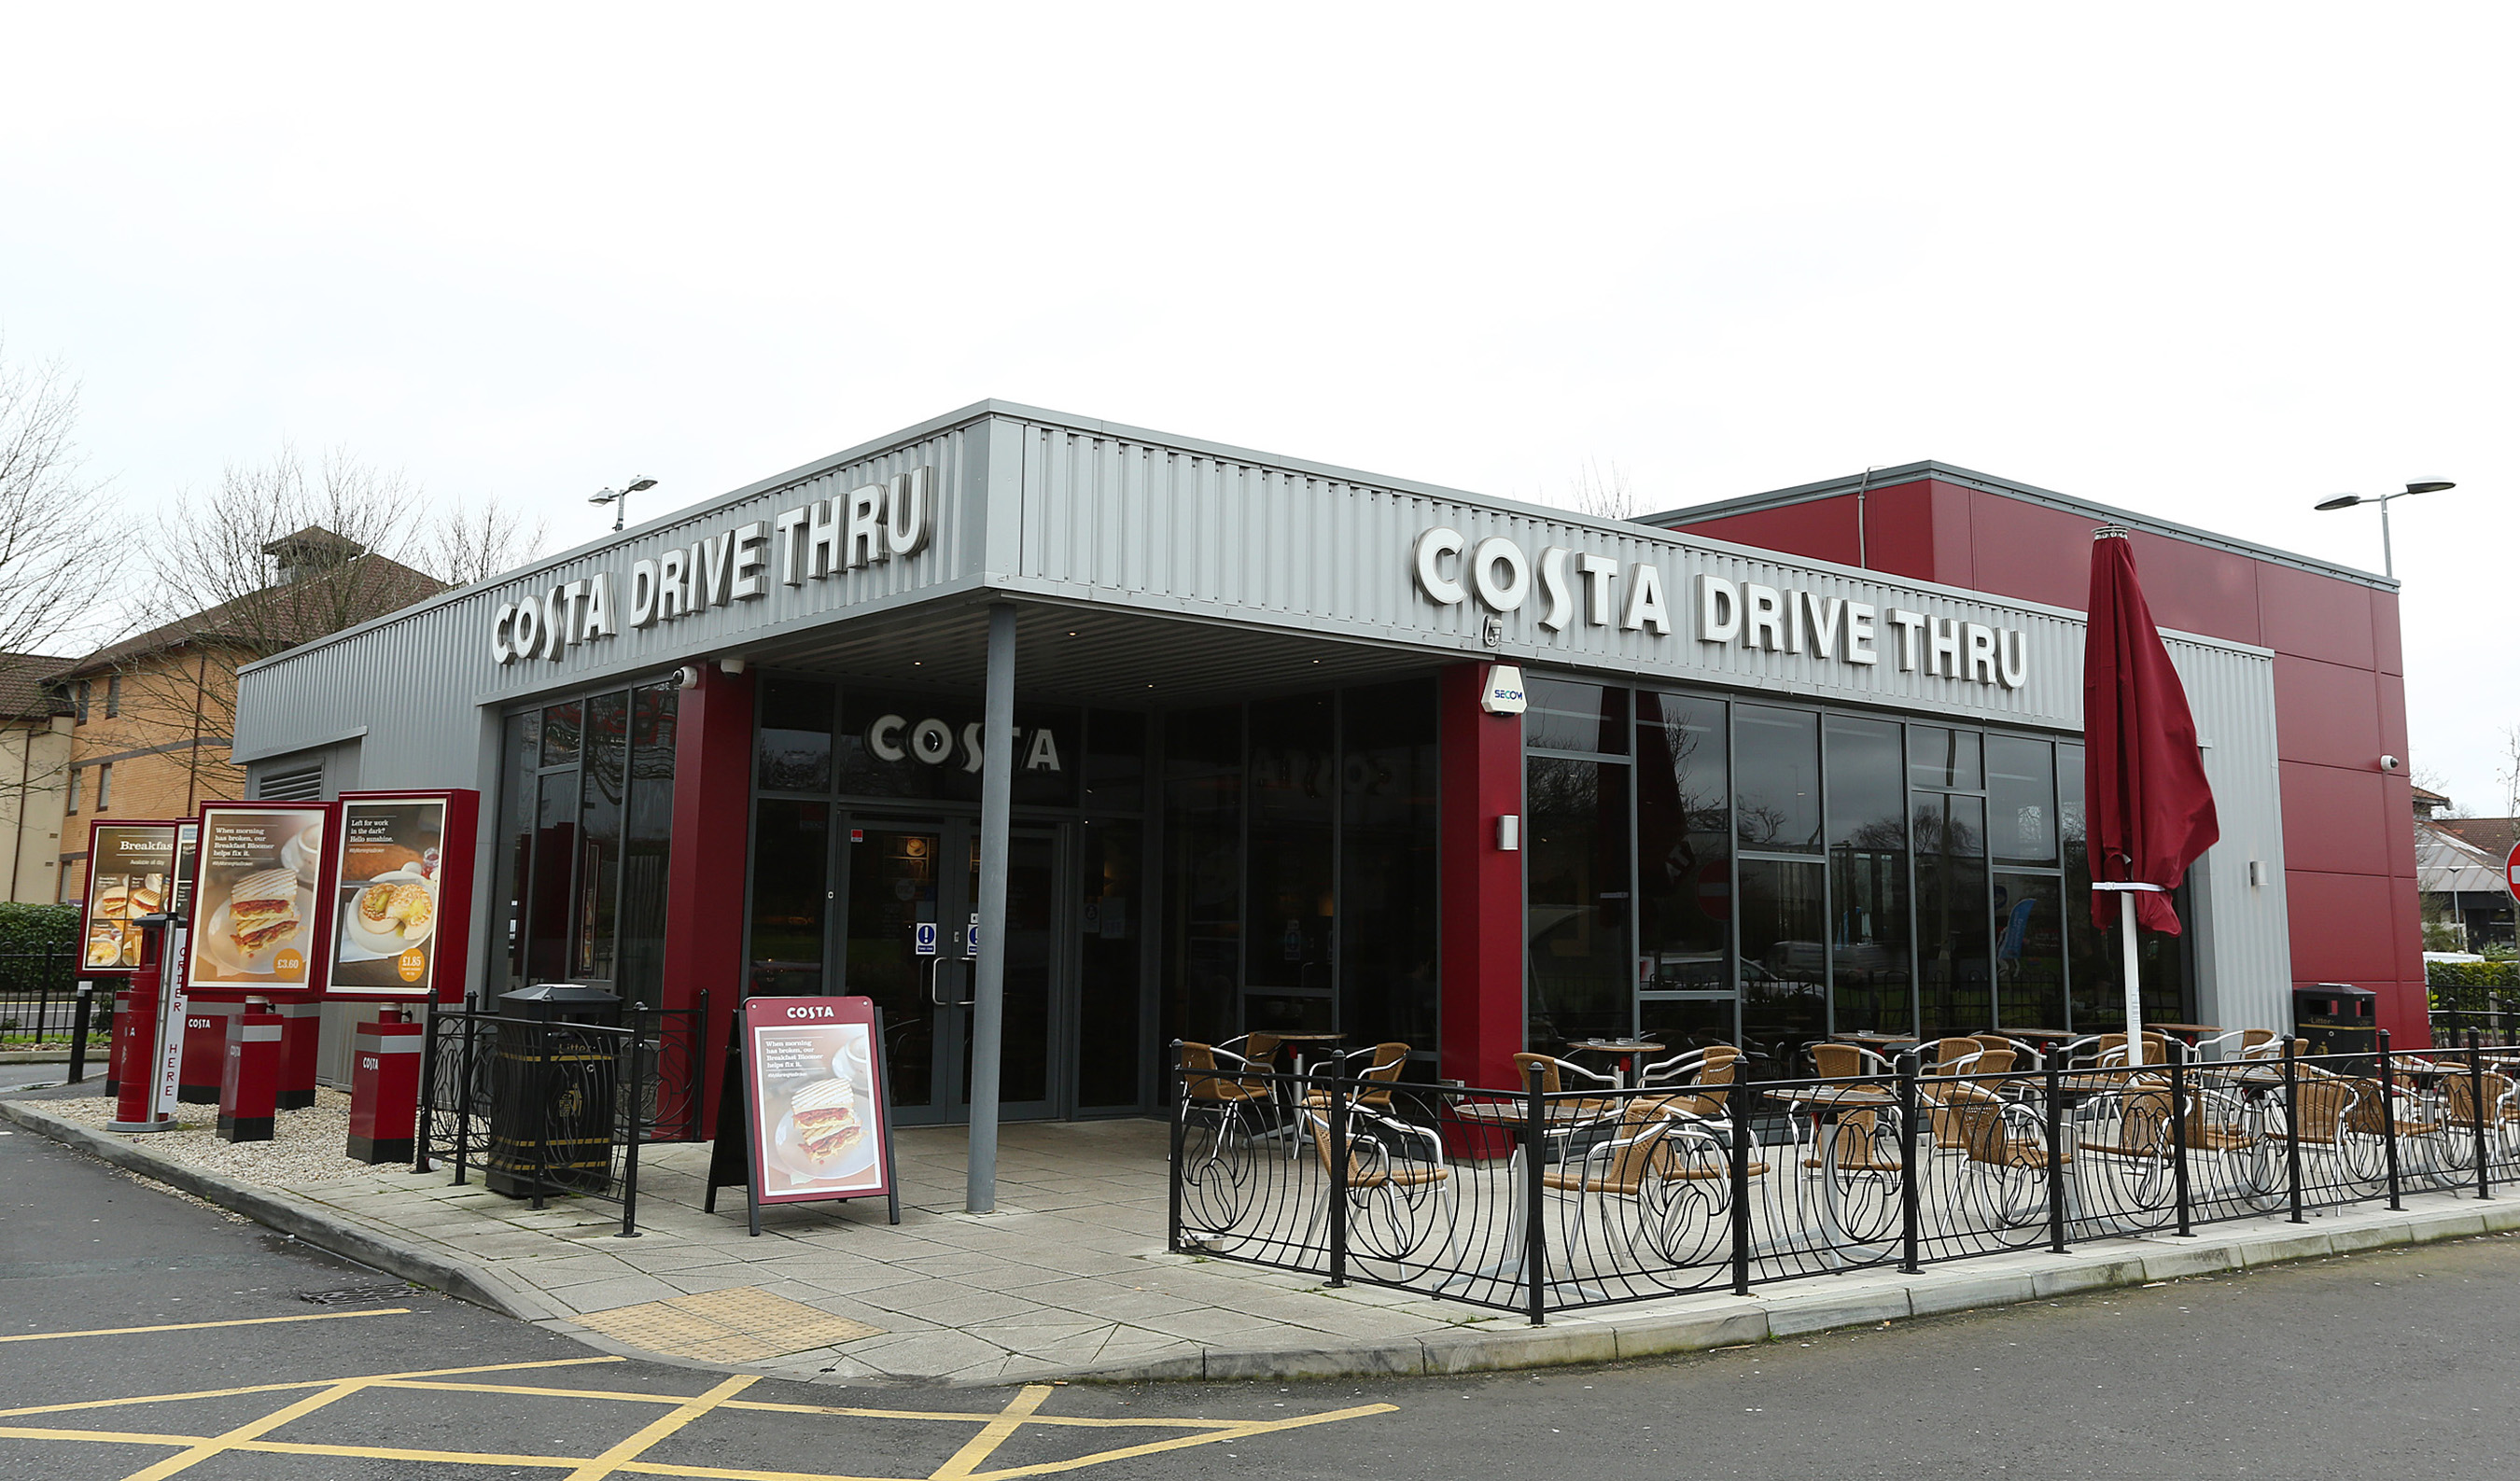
38	946
2473	986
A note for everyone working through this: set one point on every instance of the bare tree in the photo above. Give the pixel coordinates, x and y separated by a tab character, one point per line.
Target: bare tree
1605	496
282	554
56	552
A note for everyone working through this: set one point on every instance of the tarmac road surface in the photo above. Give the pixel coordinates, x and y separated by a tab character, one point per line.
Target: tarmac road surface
2377	1364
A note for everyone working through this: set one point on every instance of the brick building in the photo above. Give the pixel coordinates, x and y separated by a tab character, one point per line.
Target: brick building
148	718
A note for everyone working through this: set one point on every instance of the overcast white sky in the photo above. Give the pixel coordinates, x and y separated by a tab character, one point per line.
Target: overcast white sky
2209	262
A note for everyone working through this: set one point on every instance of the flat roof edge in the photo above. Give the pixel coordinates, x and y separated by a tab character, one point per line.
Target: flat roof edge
2031	493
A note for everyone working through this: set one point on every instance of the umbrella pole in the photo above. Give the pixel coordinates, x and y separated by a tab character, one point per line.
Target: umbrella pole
2133	991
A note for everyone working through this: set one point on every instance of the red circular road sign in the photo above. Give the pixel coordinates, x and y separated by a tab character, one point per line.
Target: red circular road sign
2511	872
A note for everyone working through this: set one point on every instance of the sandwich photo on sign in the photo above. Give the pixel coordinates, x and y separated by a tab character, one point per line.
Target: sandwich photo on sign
129	866
392	875
814	1087
255	919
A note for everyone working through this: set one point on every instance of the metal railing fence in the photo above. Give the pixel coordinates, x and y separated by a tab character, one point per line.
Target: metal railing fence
543	1106
39	999
1533	1200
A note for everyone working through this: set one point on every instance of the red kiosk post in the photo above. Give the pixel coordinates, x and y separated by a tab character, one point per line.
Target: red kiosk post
250	1087
135	1041
205	1051
385	1088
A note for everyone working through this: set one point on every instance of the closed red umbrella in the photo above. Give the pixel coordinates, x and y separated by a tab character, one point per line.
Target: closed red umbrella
2149	812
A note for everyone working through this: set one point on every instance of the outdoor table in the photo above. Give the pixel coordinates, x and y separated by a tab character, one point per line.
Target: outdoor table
1622	1052
2038	1035
1563	1118
1873	1041
2189	1033
1293	1124
1296	1047
1824	1105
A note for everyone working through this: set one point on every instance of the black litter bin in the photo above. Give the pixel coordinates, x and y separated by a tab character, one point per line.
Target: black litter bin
552	1091
2336	1017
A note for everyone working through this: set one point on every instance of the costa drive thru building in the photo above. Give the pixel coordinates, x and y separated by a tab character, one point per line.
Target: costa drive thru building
1263	779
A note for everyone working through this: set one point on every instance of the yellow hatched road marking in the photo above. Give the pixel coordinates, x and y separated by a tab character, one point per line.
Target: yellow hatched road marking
1152	1446
657	1429
195	1326
251	1429
275	1388
993	1435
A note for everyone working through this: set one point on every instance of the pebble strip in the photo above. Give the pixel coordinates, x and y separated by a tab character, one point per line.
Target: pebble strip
306	1145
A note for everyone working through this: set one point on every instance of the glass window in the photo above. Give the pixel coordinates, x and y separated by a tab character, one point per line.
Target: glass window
2022	799
1113	926
646	846
1115	761
521	759
1576	864
1940	756
547	938
1294	784
1870	973
794	745
1776	778
791	844
602	777
898	745
1784	971
1568	716
1387	866
1202	873
2094	969
560	723
1953	944
1684	845
2029	952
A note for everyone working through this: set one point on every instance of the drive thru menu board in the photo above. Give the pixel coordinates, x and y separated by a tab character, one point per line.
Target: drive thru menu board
813	1076
403	896
130	873
254	917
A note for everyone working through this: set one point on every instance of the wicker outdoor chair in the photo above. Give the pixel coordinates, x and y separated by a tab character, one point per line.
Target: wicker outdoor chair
1396	1180
1670	1168
2006	1166
1705	1075
1383	1062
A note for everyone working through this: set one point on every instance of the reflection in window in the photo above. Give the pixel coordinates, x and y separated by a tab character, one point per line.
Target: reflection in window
2022	799
2094	966
791	845
1202	849
1566	716
1576	863
1388	867
1869	973
1778	777
1785	966
1953	944
1113	923
794	746
1293	788
2029	952
648	845
1684	845
1940	756
603	773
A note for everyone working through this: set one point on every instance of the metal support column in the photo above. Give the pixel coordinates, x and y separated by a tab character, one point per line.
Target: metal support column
988	990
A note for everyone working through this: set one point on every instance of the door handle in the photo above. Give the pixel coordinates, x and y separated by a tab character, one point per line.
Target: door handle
937	991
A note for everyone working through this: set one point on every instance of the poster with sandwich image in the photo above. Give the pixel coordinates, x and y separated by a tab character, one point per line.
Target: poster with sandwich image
401	897
256	882
131	872
815	1068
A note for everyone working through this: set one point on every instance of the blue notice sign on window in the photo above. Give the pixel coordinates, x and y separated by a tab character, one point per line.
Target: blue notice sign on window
925	938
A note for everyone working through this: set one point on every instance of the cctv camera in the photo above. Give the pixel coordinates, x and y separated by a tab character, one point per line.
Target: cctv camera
2390	763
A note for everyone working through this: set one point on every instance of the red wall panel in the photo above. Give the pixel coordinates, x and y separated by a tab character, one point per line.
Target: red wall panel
2386	641
704	918
2343	927
2030	551
2335	819
2198	588
1898	530
2312	616
2326	714
1823	530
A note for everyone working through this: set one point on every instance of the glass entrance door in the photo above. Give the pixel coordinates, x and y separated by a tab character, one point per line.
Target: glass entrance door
904	875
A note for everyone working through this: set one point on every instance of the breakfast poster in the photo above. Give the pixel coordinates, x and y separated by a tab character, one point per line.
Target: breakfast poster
392	877
131	872
254	917
817	1102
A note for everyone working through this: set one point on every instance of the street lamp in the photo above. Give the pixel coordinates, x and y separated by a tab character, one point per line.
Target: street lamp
2388	558
620	498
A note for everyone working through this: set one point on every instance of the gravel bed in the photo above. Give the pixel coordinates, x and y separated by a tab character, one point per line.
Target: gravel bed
306	1145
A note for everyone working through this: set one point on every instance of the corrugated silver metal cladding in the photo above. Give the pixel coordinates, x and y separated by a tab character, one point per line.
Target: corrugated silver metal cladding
1134	524
2244	941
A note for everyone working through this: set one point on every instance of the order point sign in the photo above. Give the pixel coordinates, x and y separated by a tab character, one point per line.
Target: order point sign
2511	872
